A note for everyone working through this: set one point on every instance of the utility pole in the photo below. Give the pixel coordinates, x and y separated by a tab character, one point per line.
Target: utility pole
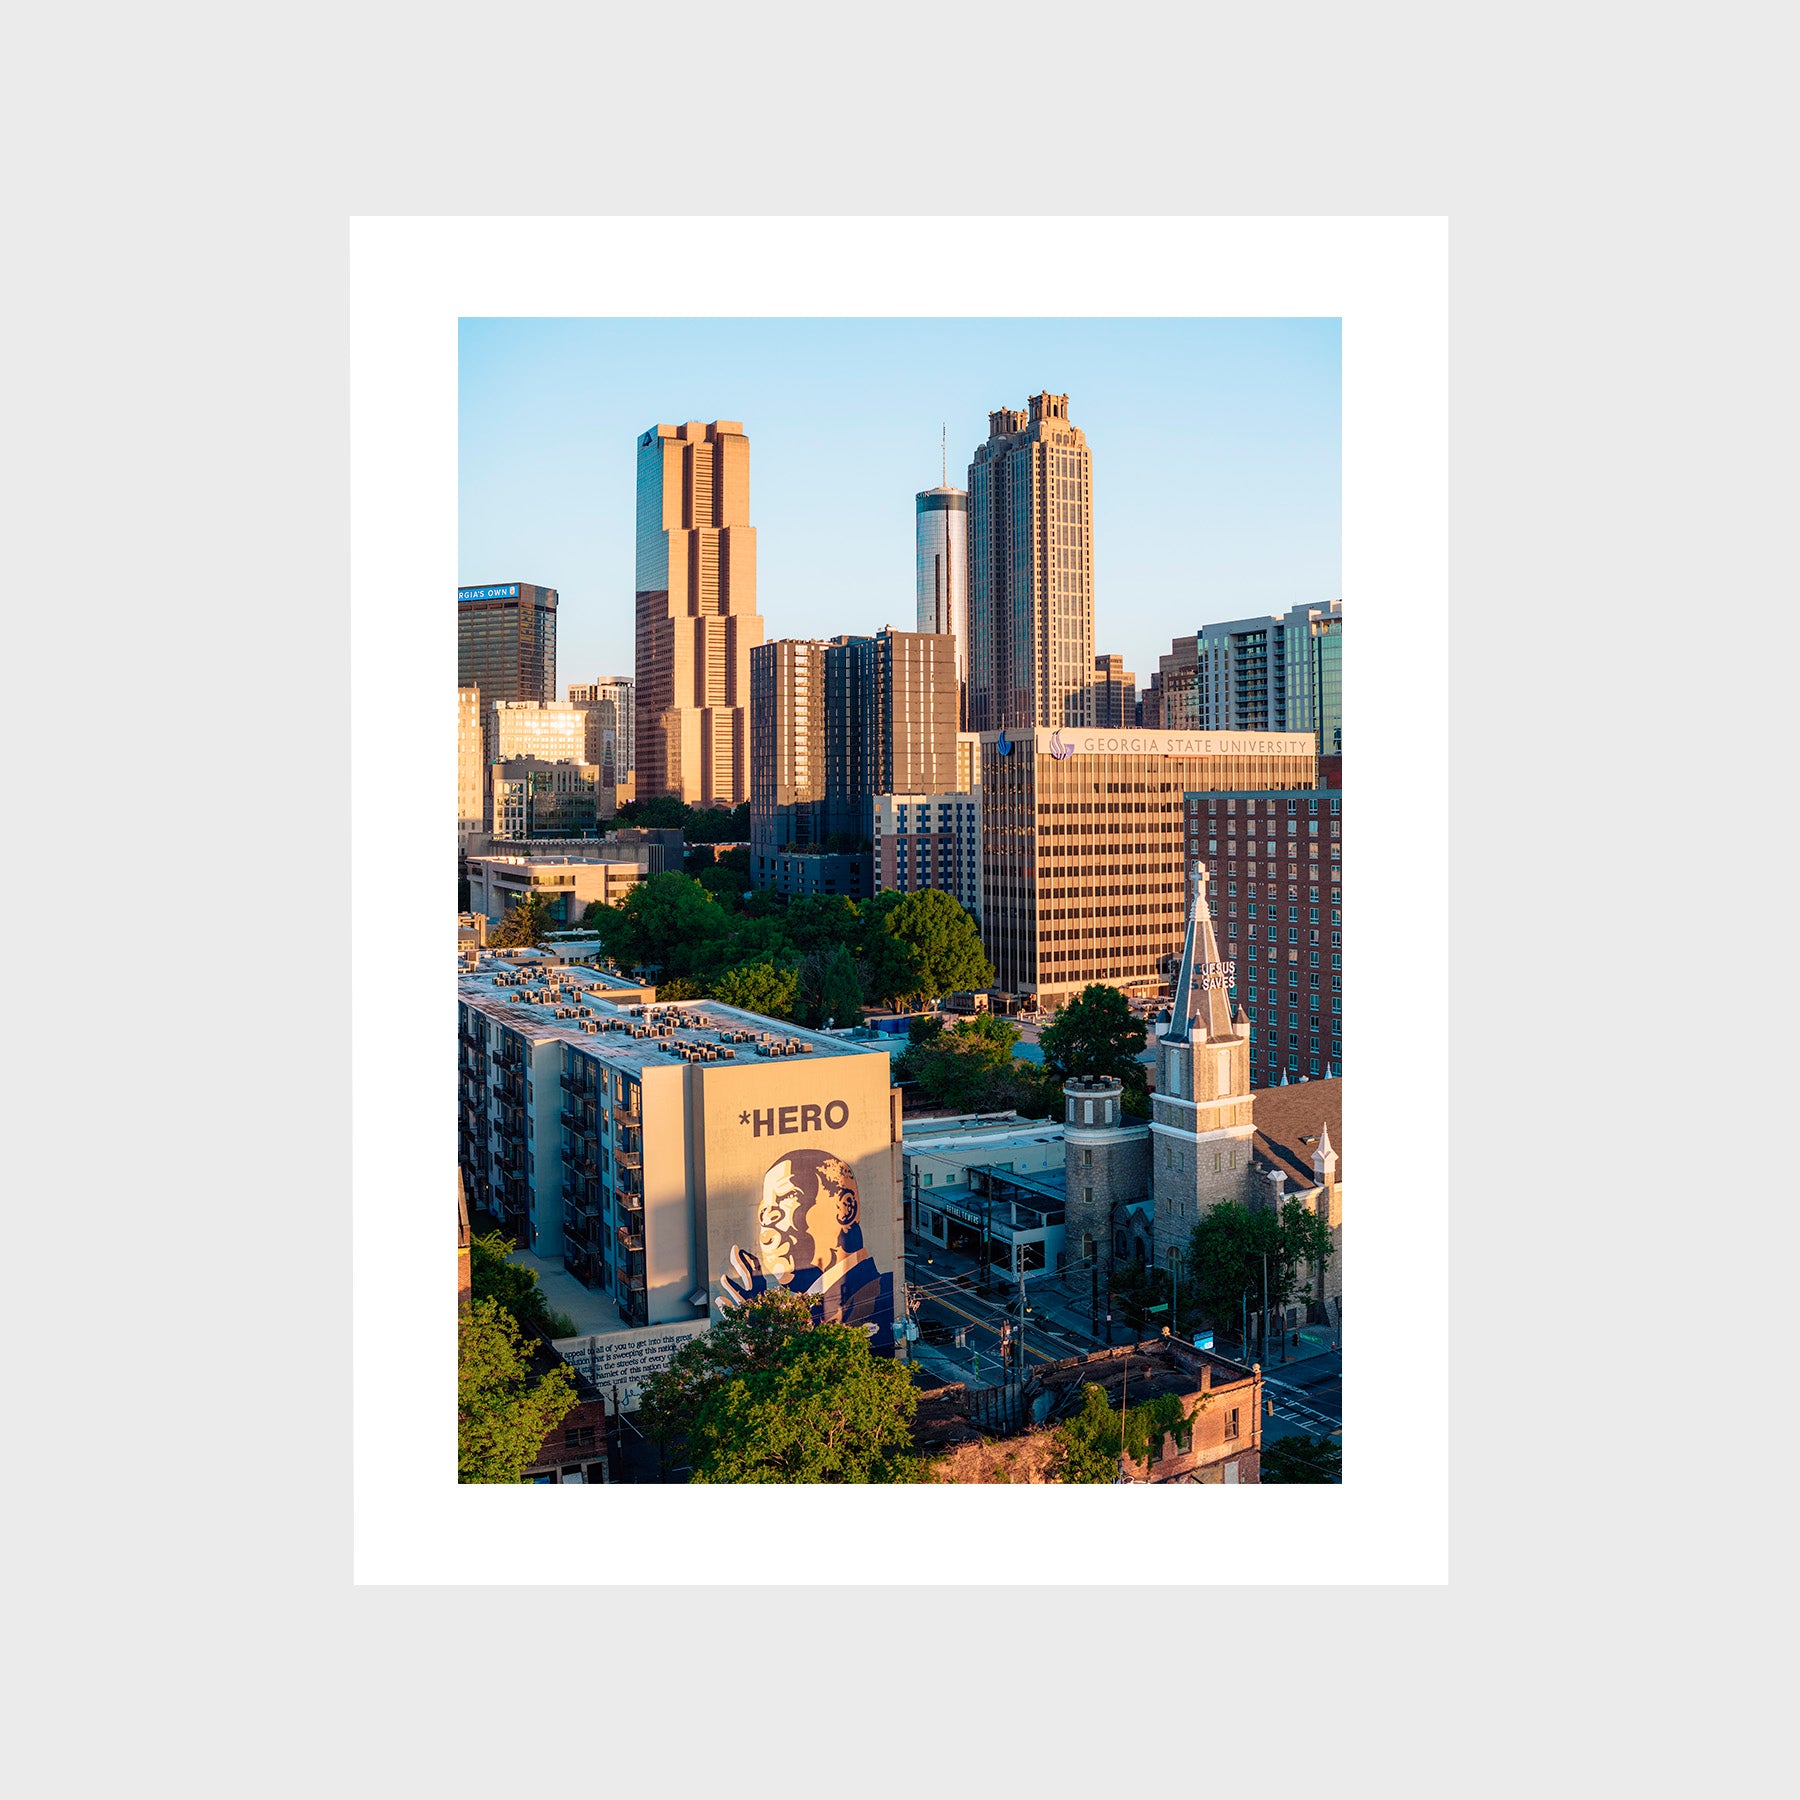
1263	1333
1094	1304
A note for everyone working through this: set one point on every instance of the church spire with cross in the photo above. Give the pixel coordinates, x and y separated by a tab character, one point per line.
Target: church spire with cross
1201	1011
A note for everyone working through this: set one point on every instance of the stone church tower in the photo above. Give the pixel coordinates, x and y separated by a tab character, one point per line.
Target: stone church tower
1201	1115
1135	1191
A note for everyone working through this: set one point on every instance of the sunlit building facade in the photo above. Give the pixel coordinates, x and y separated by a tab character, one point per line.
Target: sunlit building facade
536	798
611	709
1031	571
942	575
1082	835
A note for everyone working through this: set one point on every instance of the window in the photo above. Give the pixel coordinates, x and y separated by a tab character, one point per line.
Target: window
1087	1157
1231	1424
580	1437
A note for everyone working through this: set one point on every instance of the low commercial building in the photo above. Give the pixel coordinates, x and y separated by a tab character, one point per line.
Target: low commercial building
1082	843
533	798
677	1160
569	885
849	873
989	1185
929	841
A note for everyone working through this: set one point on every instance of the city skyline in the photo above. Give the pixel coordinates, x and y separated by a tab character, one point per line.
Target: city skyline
1225	432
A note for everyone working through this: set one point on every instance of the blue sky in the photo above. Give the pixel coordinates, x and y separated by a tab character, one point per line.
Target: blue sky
1215	444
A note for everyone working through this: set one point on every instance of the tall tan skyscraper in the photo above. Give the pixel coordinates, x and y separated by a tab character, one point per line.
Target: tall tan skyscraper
696	612
1031	571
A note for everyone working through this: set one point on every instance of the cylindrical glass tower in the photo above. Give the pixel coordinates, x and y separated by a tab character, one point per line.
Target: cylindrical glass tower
943	577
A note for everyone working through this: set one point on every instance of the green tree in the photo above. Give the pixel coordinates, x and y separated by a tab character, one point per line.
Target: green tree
1086	1448
726	886
1290	1460
924	1028
938	928
669	922
767	1396
493	1275
527	921
717	824
502	1415
1232	1245
660	812
1095	1035
758	987
840	998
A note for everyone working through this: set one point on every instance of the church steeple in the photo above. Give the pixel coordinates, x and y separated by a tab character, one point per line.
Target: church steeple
1201	1011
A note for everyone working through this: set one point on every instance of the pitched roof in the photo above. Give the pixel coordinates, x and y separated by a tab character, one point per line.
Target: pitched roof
1199	1014
1290	1122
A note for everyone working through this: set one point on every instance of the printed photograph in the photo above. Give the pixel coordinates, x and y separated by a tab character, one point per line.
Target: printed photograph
900	901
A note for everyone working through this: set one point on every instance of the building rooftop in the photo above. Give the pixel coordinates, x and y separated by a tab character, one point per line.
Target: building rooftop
545	1000
978	1131
1288	1120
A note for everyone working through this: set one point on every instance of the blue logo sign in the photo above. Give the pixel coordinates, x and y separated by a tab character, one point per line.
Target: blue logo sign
1058	748
489	593
1004	745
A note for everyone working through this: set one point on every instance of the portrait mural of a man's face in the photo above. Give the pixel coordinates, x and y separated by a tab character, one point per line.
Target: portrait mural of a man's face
809	1241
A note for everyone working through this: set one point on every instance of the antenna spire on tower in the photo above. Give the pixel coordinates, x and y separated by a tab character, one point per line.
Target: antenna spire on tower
944	454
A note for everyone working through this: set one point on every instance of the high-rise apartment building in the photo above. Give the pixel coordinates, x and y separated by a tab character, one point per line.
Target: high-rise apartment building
1031	571
696	613
1283	672
611	710
1115	694
942	575
929	841
852	739
1082	841
659	1150
916	712
1274	859
471	767
506	645
787	748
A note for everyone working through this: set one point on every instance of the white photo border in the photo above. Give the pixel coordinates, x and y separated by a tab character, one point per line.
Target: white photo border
1387	280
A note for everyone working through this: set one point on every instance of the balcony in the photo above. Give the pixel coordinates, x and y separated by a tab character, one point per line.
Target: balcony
628	1117
629	1159
628	1202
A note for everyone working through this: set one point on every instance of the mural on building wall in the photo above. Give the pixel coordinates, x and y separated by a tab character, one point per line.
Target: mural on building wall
809	1241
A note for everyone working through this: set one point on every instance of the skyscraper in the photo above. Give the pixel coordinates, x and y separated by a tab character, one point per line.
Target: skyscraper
611	724
506	643
787	746
696	612
471	766
1031	571
1279	672
1115	694
942	575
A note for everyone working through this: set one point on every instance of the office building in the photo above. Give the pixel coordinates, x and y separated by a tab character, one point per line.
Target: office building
1283	672
549	730
942	576
696	613
611	709
533	797
1031	571
968	763
1082	847
570	885
471	769
506	646
929	841
1115	694
1171	702
1275	862
677	1160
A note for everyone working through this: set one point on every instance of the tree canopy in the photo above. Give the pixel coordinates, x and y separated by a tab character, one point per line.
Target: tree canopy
971	1068
1087	1446
502	1414
1095	1034
765	1395
1227	1250
945	941
1301	1459
493	1275
527	921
